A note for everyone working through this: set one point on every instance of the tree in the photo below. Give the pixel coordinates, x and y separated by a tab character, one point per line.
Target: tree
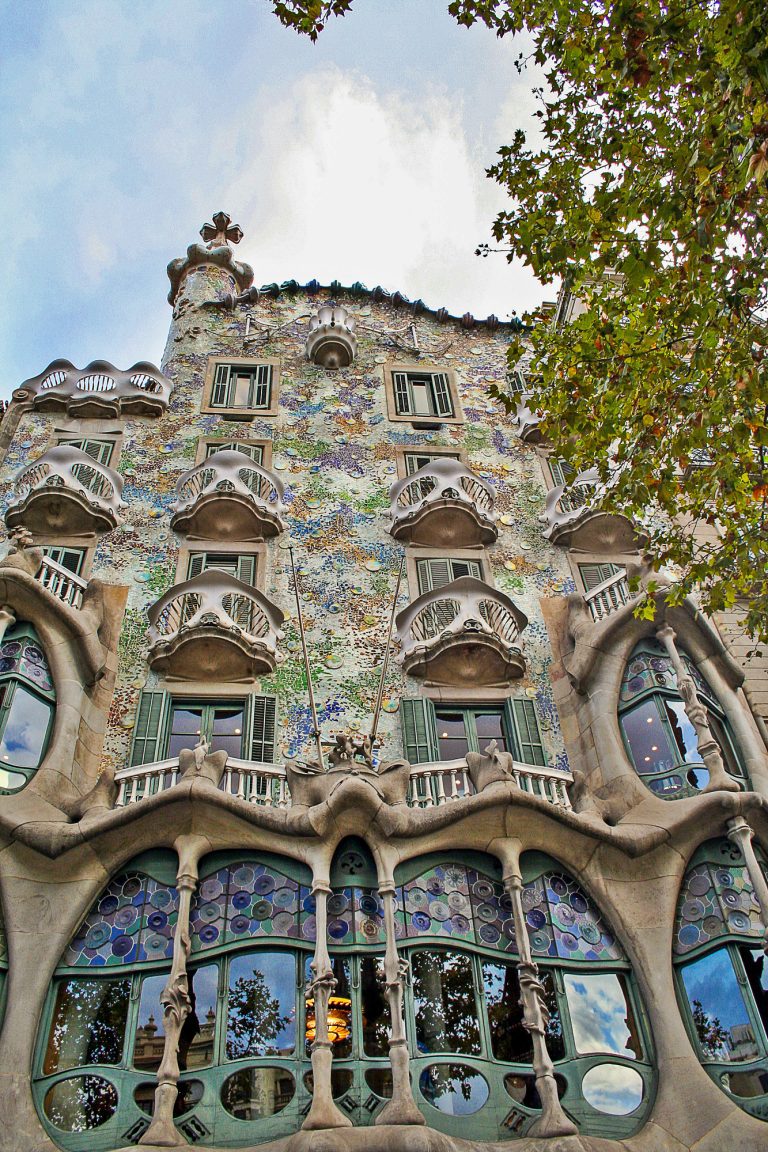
255	1026
648	199
714	1039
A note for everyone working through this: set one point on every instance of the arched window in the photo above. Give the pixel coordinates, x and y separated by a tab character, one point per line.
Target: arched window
659	737
27	706
722	973
471	1052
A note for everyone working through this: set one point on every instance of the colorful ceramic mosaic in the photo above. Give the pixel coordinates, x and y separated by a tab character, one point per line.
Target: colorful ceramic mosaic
716	900
24	657
132	921
650	667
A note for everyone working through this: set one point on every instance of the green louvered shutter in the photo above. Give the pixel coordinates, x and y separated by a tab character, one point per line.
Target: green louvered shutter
562	472
146	733
246	569
419	731
594	574
262	386
442	394
437	572
528	746
403	405
263	729
220	393
196	565
255	451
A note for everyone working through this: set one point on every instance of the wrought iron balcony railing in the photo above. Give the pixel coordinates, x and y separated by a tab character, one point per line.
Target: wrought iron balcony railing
573	517
465	633
443	504
229	496
100	389
214	626
66	492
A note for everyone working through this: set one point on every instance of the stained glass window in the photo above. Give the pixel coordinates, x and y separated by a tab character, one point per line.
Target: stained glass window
27	706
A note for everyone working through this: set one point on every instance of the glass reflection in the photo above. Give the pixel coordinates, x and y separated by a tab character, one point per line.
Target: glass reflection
149	1040
26	727
81	1103
451	734
683	731
750	1082
601	1014
375	1007
647	739
720	1018
509	1039
254	1093
190	1093
198	1032
261	1018
379	1080
339	1008
186	727
755	964
88	1024
613	1089
454	1089
227	730
444	1000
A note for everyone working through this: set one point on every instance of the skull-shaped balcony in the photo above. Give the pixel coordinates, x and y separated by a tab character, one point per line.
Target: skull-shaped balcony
216	627
332	342
99	390
228	496
465	634
443	504
528	420
66	492
573	517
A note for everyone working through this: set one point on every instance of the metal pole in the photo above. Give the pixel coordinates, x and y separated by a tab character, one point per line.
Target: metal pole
380	696
316	731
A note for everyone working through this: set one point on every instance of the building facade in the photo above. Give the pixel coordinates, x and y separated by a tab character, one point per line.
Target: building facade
344	801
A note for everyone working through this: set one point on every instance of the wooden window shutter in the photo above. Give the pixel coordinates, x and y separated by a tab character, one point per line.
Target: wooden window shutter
442	394
528	746
246	569
461	568
220	393
402	392
263	729
262	386
146	733
594	574
435	573
419	731
562	472
196	565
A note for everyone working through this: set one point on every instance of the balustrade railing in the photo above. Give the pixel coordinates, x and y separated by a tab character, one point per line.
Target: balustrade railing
607	597
61	583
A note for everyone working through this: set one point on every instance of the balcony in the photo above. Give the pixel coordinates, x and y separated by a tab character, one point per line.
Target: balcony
464	634
528	420
332	342
228	496
99	390
606	598
573	518
443	504
66	492
214	626
265	785
61	583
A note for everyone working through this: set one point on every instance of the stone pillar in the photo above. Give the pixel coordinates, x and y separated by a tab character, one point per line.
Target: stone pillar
323	1113
741	834
175	1000
7	619
719	780
401	1109
553	1121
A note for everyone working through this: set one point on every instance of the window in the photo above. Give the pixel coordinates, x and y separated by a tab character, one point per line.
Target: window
437	731
244	727
416	460
70	558
241	386
415	393
27	706
436	573
722	972
561	471
242	566
100	450
660	739
594	574
254	451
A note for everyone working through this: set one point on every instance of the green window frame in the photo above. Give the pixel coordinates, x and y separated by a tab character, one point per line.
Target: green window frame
659	739
157	711
436	572
70	558
100	450
518	723
594	574
560	470
254	451
240	565
27	706
416	460
242	386
423	394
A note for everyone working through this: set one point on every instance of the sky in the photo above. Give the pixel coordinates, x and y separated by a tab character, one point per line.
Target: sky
126	125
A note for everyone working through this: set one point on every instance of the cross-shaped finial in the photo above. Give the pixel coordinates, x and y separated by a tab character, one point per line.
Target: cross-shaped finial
222	231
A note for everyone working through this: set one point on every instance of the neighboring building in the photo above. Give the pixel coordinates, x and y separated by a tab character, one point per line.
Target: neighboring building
529	907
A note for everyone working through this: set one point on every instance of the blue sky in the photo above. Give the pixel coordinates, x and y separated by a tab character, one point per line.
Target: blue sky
127	124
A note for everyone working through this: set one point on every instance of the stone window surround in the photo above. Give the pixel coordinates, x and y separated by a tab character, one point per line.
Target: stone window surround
416	552
410	418
204	441
242	361
250	548
90	430
453	453
575	558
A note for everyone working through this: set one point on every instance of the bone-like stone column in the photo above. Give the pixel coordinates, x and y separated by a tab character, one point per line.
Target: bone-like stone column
719	780
323	1113
740	832
553	1120
175	1000
7	619
401	1109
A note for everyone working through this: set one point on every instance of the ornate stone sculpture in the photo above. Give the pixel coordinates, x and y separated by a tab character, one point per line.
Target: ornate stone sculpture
490	767
199	763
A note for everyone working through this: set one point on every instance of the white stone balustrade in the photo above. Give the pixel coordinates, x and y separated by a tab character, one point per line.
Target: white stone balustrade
61	583
443	504
66	492
465	633
214	626
608	596
229	496
431	786
98	390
